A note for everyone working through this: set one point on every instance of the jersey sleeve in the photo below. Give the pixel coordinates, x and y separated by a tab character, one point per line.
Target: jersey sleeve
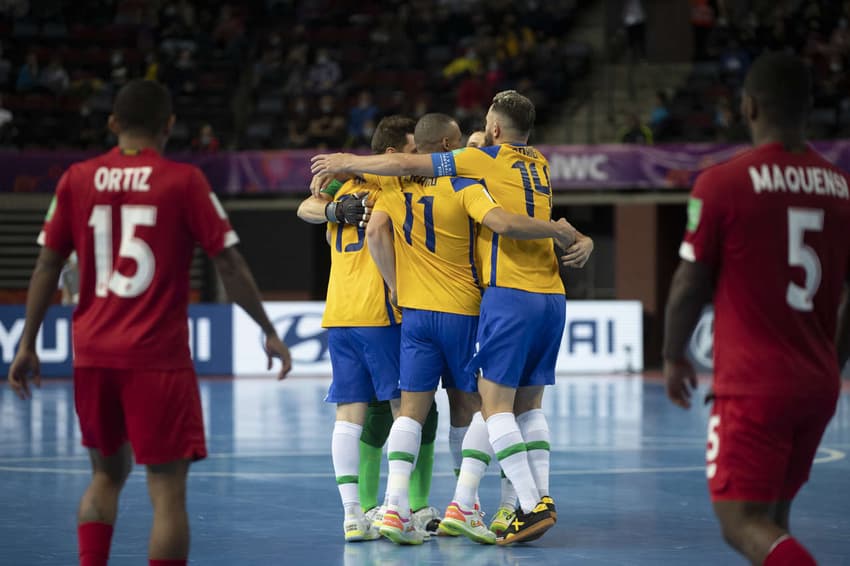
57	233
464	162
474	197
332	188
208	220
703	235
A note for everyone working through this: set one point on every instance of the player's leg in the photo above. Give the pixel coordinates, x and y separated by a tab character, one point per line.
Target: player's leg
750	446
402	449
99	504
528	404
508	318
535	431
169	539
376	429
420	480
97	398
419	372
351	389
165	425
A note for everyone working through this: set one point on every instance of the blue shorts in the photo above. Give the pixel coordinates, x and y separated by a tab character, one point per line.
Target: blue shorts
434	345
365	363
519	337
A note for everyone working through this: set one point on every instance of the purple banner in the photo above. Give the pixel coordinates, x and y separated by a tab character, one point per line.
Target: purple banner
572	167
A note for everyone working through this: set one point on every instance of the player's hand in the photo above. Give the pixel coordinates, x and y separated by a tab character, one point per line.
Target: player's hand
681	381
319	183
25	367
579	252
354	209
275	348
330	163
567	234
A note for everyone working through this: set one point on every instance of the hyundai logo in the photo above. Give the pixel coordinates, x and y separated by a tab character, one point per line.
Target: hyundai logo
303	333
702	340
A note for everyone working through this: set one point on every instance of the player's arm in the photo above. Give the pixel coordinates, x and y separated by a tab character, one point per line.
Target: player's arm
379	236
242	289
690	291
842	339
521	227
579	252
42	286
312	209
693	283
388	164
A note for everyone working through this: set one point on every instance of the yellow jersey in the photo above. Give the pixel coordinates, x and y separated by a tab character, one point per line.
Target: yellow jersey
434	225
357	295
517	176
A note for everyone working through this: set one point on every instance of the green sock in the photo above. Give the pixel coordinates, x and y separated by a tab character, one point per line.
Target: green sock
420	479
379	420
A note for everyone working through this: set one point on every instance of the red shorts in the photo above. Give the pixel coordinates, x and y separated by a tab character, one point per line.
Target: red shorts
762	448
157	411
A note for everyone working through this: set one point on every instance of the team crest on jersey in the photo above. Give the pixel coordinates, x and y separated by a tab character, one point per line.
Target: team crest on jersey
694	213
50	210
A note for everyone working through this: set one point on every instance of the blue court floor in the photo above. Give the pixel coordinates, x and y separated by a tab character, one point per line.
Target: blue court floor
627	475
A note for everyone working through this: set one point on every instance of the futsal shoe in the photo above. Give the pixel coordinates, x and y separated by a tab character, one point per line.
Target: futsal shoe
458	520
401	530
427	519
376	516
527	526
359	528
550	503
502	520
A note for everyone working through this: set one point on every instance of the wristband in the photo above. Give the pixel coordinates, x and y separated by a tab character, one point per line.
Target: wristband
330	212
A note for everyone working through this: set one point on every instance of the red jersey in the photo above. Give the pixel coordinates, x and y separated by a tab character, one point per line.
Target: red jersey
134	219
775	228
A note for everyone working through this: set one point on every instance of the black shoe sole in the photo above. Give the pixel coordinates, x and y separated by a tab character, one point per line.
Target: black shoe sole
533	532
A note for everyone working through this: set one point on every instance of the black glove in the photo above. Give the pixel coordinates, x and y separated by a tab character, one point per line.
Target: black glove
349	209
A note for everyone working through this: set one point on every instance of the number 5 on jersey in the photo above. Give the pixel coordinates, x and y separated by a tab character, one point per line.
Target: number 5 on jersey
131	247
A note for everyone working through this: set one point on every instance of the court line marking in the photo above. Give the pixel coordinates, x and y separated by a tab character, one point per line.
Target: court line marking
832	455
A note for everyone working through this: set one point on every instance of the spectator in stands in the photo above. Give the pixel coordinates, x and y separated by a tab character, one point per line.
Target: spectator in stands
734	62
5	69
28	74
659	117
268	71
151	67
325	73
206	142
327	129
183	77
728	126
6	128
54	77
295	68
472	97
702	22
465	63
229	29
634	22
361	120
120	73
635	131
299	124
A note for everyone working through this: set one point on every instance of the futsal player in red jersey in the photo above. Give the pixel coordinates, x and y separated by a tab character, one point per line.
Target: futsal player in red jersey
133	218
768	236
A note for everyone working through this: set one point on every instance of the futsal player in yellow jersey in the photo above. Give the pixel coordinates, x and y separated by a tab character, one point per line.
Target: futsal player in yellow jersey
429	262
522	311
363	339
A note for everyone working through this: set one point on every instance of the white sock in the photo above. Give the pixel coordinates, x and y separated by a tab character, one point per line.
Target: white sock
510	450
456	436
535	432
508	493
345	451
402	448
477	454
